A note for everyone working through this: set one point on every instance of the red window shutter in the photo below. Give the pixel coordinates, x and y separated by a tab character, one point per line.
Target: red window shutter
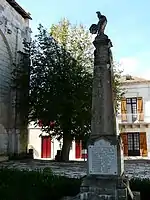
140	109
48	147
143	144
78	149
125	143
44	147
123	109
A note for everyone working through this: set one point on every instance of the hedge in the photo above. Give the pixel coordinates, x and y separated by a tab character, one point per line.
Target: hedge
142	186
40	185
35	185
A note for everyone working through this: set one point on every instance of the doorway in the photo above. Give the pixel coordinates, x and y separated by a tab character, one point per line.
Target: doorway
46	147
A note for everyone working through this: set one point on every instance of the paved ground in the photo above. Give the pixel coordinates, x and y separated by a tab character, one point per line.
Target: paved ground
133	168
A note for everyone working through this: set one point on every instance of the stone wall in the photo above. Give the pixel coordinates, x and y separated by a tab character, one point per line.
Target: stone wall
133	168
13	29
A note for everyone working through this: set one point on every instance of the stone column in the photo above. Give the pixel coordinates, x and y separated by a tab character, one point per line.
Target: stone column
105	175
105	172
104	152
103	122
105	163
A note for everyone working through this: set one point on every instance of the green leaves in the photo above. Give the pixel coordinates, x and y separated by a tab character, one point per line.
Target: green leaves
60	84
61	75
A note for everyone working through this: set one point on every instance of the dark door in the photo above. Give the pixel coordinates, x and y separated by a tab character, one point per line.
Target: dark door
133	144
46	147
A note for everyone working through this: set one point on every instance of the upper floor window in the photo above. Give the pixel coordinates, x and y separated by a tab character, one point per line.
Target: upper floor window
132	109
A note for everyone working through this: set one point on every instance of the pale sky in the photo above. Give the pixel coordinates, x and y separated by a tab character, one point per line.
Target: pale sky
128	25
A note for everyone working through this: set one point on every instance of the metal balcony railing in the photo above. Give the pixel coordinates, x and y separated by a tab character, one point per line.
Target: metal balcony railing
133	118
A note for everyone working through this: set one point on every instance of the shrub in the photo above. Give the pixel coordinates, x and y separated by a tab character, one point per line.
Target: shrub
35	185
39	185
142	186
21	156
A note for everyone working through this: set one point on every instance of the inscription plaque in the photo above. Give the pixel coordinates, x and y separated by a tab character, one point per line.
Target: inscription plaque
102	158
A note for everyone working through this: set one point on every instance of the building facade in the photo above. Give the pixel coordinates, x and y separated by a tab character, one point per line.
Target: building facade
14	28
133	125
134	118
46	148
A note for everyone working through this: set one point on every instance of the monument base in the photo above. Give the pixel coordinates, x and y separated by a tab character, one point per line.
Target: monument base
105	179
105	188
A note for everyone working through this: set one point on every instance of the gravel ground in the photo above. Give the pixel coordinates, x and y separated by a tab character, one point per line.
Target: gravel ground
133	168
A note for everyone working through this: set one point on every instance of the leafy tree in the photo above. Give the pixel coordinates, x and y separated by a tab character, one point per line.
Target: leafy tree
61	78
60	87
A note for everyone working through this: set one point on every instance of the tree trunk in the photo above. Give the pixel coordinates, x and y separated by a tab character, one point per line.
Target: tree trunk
67	142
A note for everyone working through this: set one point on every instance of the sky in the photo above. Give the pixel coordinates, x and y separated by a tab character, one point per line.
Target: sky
128	26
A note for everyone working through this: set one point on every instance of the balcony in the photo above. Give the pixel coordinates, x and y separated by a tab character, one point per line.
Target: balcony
133	118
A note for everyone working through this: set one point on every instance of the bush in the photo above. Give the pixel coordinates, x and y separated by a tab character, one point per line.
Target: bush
35	185
21	156
40	185
142	186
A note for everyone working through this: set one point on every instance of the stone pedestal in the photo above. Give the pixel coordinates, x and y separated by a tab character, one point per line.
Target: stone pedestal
105	179
103	187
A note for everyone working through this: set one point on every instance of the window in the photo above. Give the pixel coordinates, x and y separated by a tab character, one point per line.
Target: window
133	144
131	109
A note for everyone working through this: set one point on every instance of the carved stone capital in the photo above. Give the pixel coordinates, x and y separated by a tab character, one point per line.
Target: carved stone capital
102	49
101	39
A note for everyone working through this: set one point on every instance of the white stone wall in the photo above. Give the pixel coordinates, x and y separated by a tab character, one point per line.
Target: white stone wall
34	142
13	29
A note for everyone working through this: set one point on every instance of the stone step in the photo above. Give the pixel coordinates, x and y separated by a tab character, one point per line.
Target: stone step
102	191
106	197
91	196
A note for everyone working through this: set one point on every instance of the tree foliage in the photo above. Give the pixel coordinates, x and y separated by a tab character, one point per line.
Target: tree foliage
61	75
60	84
